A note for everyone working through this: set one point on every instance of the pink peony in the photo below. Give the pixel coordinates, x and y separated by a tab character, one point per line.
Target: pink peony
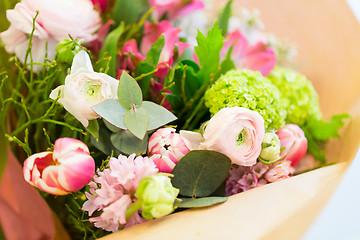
166	148
257	57
236	132
56	20
113	191
69	168
293	139
152	32
279	170
175	8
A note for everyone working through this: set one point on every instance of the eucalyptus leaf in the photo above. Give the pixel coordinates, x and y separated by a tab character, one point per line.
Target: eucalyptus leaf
199	173
111	127
201	202
129	92
103	143
93	128
111	111
137	121
127	143
158	115
110	47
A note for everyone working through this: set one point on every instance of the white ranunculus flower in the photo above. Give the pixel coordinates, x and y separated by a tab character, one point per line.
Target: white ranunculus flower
84	88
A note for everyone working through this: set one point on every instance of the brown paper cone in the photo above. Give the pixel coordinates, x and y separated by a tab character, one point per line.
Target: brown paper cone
327	36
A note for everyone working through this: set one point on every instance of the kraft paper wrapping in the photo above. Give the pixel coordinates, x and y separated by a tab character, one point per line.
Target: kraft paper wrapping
327	37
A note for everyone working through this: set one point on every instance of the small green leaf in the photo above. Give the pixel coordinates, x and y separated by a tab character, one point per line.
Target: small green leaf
149	64
3	153
137	121
158	115
127	143
111	111
208	52
110	46
224	17
129	92
93	129
199	173
323	130
227	64
201	202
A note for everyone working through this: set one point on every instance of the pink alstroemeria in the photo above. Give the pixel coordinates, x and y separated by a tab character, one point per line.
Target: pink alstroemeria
175	8
293	139
69	168
130	55
166	148
279	170
152	32
257	57
101	4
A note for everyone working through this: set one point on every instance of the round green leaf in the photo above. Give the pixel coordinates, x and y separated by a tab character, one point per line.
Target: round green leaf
199	173
127	143
137	121
129	92
201	202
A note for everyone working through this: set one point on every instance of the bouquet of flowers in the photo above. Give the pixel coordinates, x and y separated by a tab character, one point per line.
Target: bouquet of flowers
126	111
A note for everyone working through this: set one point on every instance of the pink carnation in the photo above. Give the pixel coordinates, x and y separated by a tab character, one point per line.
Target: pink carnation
113	191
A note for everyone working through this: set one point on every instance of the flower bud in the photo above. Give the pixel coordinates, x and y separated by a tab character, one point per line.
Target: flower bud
168	148
69	168
292	138
67	49
157	196
270	151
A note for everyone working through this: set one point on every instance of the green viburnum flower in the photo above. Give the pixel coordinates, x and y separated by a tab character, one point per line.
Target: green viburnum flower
302	101
156	195
248	89
67	49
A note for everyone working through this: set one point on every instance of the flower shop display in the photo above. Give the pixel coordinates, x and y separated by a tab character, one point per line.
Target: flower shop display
120	115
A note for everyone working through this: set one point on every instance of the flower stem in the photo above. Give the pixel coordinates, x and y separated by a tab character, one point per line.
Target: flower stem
132	209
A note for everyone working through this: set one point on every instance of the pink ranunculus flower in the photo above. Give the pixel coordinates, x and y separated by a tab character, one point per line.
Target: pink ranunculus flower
166	148
130	55
68	168
236	132
56	20
279	170
152	32
175	8
257	57
293	139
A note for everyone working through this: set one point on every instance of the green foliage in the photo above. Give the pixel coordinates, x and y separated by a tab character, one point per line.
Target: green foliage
300	97
224	17
137	121
112	111
248	89
318	131
208	52
201	202
149	64
128	143
110	49
129	92
129	11
199	173
158	115
93	128
3	153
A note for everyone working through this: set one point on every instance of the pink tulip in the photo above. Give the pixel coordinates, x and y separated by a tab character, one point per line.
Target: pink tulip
293	139
152	32
69	168
166	148
257	57
175	8
130	55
